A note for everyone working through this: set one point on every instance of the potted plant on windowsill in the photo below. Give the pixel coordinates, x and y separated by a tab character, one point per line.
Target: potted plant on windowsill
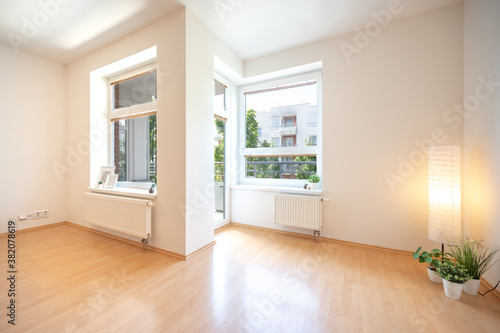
313	181
454	276
432	258
476	257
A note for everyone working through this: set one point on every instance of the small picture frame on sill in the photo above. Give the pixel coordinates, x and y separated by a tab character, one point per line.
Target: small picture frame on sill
111	180
103	174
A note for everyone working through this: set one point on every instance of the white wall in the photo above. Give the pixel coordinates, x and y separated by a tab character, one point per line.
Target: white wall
393	94
482	126
201	46
182	222
168	34
32	136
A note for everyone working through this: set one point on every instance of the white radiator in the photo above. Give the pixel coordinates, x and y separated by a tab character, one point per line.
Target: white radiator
298	211
127	215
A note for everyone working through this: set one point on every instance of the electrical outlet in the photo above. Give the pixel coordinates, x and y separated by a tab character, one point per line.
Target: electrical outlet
29	216
45	213
21	217
37	214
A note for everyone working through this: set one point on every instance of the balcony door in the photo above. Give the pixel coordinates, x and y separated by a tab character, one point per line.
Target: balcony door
220	170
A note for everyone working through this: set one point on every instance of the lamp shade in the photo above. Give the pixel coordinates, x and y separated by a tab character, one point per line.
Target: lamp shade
445	209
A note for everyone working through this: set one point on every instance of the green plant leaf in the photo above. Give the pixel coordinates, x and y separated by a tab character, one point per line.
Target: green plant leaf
428	260
418	250
416	255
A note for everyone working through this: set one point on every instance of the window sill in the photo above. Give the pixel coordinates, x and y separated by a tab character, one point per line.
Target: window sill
280	189
123	191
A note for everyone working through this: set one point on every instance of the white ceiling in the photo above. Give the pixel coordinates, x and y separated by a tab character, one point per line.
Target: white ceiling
67	29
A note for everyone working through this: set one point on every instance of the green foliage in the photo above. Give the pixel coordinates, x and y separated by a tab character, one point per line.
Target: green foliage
308	142
432	258
453	272
474	256
306	169
252	135
252	141
219	153
313	178
152	145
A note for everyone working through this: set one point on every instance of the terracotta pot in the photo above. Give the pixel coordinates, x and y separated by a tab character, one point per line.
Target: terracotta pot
433	276
471	287
452	290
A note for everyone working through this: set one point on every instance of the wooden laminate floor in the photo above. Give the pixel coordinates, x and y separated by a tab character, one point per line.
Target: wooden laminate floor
72	280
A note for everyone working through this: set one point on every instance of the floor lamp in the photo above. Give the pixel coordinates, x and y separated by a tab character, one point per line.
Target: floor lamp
445	212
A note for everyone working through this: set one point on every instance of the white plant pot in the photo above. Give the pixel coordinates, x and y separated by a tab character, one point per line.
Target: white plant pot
471	287
452	290
313	185
433	276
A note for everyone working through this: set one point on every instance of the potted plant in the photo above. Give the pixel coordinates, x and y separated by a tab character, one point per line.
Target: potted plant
99	185
432	258
313	180
476	257
454	276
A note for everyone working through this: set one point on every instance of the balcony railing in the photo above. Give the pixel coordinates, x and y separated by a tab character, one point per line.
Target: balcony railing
288	130
152	169
277	169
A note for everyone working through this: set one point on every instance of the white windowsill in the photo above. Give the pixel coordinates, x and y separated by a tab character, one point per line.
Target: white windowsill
280	189
125	191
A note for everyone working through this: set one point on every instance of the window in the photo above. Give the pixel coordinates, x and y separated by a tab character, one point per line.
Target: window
288	141
133	123
280	147
276	123
313	119
289	122
276	142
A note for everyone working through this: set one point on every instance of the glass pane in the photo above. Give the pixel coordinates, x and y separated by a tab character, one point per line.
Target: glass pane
282	120
219	166
285	116
134	151
139	90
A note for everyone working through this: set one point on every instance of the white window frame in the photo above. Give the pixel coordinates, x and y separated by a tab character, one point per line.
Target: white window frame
137	110
281	151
